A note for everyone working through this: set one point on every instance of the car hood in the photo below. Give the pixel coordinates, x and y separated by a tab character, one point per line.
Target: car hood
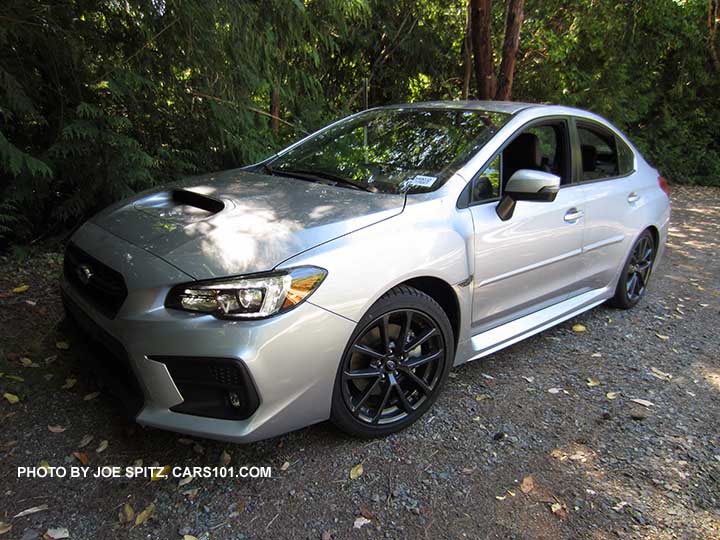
238	222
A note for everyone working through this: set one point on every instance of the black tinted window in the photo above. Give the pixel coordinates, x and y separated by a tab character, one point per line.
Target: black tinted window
598	149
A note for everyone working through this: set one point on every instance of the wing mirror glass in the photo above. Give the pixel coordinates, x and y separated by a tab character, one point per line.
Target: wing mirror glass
527	185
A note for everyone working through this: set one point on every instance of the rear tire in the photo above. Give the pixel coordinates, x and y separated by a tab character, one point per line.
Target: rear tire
394	365
636	273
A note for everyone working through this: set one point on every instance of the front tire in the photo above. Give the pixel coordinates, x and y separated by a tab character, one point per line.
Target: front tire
394	365
636	273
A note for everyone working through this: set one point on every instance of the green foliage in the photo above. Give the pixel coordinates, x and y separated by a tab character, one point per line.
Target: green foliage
100	99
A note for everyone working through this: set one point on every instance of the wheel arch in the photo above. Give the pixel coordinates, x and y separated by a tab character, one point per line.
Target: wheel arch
444	294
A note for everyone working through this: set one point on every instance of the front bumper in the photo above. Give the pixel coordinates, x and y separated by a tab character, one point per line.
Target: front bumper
292	358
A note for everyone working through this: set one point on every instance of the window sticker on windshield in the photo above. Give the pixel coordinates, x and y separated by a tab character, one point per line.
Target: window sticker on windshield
422	180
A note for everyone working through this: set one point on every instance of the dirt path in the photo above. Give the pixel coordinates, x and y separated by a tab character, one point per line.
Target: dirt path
609	468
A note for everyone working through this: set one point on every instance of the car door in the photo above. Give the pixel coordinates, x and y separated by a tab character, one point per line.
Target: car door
611	193
532	260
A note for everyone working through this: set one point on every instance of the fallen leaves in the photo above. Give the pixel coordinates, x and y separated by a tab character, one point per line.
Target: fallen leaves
21	289
612	395
527	484
128	513
655	372
146	514
87	439
356	472
160	474
69	383
579	328
56	429
33	510
185	480
591	382
102	446
27	362
62	345
643	402
5	527
90	396
662	336
559	510
225	459
82	457
12	399
360	522
285	466
56	533
554	390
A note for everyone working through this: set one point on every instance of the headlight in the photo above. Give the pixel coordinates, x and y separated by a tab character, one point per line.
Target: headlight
248	297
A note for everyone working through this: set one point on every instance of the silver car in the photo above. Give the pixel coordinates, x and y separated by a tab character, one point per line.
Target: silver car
343	277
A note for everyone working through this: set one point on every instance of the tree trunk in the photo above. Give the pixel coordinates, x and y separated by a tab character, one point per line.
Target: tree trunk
275	110
513	22
480	18
467	52
713	18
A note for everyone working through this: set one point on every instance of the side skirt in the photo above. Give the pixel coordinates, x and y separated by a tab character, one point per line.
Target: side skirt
509	333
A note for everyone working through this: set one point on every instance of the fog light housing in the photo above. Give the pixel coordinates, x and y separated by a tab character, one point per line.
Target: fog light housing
234	400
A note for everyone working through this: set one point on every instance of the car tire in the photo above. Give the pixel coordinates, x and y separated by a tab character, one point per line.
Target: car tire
405	346
636	272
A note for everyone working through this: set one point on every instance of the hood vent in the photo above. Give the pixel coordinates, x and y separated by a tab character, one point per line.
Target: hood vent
196	200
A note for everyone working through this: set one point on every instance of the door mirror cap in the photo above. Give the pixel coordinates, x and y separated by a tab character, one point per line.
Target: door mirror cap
530	185
527	185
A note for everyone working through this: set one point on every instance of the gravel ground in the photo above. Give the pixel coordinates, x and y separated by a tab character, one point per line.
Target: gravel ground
525	444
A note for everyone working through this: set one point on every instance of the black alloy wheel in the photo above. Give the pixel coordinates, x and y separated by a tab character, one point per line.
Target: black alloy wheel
636	274
394	365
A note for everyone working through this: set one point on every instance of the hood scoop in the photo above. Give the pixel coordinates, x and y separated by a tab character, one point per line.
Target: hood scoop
181	206
197	200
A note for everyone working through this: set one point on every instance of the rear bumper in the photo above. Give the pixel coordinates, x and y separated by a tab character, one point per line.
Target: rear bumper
291	360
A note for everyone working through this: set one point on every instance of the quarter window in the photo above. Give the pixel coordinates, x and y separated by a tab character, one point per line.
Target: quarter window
598	148
486	186
626	158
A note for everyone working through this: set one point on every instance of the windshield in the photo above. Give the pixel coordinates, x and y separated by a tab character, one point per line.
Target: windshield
392	150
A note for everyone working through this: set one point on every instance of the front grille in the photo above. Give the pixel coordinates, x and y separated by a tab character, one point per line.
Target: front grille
99	284
212	387
108	360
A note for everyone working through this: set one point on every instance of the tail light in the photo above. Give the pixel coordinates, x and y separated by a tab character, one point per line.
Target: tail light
664	185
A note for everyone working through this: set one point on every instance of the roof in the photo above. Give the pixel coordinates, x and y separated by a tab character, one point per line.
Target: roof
510	107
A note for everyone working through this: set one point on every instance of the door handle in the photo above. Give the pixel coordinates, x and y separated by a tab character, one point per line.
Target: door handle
573	215
633	198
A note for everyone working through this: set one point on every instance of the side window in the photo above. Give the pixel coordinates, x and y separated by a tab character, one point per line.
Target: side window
598	149
486	186
626	158
548	144
542	147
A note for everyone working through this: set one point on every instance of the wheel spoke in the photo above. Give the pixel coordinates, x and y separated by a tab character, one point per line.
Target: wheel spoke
422	339
417	361
381	408
367	373
630	287
405	332
417	380
364	349
404	403
367	394
384	326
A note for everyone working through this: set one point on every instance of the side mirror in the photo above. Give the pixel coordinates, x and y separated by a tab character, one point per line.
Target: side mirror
527	185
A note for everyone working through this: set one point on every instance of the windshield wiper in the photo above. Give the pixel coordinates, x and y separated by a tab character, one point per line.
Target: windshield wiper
313	176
